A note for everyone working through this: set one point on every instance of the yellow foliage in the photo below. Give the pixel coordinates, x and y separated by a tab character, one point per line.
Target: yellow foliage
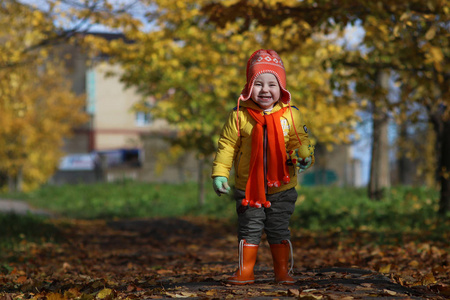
37	106
36	116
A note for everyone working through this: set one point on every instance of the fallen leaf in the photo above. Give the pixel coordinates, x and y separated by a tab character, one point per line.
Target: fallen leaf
21	279
389	292
309	295
428	279
385	269
131	288
105	293
338	297
293	292
66	267
181	295
309	290
188	294
414	263
55	296
72	293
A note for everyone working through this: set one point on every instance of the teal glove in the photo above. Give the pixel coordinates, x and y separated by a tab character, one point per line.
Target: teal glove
304	164
220	185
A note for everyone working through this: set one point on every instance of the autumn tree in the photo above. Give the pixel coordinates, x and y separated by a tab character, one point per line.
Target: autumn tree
196	70
412	41
410	38
38	109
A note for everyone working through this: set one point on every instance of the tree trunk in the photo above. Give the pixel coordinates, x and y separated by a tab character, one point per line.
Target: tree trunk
3	179
11	183
403	163
438	127
379	165
442	129
19	180
444	168
201	181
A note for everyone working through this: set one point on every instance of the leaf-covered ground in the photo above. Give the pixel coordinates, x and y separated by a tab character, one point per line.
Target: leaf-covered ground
191	258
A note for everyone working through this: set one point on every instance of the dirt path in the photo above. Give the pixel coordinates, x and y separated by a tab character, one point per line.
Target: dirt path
20	208
180	258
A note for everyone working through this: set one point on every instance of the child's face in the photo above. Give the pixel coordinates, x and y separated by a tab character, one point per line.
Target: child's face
266	90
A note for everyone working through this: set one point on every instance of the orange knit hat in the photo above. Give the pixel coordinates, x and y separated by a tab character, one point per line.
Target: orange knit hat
265	61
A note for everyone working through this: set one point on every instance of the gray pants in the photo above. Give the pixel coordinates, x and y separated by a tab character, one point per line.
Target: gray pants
273	220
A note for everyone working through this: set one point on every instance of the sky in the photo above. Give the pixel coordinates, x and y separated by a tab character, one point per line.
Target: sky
136	8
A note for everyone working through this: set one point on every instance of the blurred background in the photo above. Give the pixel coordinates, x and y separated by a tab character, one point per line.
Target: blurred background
97	95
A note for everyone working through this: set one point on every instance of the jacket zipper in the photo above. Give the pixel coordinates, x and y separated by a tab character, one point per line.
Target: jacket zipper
265	158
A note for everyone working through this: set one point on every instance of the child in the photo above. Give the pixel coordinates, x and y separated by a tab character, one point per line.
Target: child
257	137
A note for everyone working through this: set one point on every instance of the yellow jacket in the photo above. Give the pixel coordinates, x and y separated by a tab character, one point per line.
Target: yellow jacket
236	149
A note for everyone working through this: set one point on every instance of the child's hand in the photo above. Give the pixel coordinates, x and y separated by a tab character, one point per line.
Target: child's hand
220	185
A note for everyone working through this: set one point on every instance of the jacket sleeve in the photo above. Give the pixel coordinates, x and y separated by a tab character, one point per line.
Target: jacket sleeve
228	147
302	132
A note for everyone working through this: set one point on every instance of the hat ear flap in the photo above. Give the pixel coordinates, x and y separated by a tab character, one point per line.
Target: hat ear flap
285	96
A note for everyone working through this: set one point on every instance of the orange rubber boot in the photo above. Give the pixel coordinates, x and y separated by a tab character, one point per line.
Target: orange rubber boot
247	260
280	255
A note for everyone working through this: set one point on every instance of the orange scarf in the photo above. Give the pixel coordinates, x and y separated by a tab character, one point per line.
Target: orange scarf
277	170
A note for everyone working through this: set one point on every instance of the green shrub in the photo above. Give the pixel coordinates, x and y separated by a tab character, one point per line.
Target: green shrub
402	208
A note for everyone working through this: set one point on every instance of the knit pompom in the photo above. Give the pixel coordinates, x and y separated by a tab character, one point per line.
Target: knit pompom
255	204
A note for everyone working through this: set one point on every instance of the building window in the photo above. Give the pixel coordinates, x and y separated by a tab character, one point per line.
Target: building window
143	118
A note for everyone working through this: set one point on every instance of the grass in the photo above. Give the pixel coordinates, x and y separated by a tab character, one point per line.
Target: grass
126	199
404	209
